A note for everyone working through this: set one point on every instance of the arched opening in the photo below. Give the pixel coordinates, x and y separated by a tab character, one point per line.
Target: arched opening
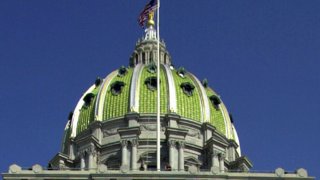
151	83
148	161
151	58
116	87
136	58
144	58
187	88
113	162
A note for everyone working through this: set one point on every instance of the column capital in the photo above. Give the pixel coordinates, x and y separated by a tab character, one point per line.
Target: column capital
91	149
216	153
181	144
172	143
124	143
222	156
134	142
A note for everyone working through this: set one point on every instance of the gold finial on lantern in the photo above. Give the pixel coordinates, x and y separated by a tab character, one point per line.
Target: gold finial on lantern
150	19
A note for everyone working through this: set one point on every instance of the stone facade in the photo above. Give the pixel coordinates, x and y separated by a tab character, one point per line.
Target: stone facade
129	143
102	173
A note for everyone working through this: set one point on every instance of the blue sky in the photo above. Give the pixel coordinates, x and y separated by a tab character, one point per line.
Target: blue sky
262	57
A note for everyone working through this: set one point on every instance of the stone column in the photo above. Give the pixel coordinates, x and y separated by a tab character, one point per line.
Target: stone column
221	162
124	144
91	152
147	57
215	162
71	149
134	154
140	57
172	146
181	155
90	161
82	162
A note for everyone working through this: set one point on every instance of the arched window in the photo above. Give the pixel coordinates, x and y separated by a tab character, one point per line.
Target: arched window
152	68
187	88
113	162
151	83
116	87
144	58
87	99
215	101
137	59
122	71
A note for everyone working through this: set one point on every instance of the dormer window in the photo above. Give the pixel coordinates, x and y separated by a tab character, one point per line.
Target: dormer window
70	116
116	87
144	58
187	88
98	81
88	99
122	71
181	72
215	100
152	68
151	83
205	83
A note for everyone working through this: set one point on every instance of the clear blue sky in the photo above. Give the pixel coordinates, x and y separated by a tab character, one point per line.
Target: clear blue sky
262	57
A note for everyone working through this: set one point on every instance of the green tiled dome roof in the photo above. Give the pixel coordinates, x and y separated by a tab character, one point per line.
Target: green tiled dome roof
136	96
133	89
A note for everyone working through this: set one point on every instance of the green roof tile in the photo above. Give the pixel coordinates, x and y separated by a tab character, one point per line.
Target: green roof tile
118	105
216	118
188	106
87	112
147	97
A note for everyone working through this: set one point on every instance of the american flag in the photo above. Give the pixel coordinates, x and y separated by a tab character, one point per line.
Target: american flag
151	6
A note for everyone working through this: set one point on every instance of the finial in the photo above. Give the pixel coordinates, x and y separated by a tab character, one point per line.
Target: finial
150	19
151	33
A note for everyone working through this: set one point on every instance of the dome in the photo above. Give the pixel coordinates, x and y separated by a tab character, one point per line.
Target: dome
133	89
118	114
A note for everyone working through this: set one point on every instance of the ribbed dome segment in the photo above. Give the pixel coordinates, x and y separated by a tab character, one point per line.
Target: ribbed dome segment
135	91
148	92
116	103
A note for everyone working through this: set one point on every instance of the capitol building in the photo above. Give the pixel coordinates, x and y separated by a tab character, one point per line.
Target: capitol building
112	132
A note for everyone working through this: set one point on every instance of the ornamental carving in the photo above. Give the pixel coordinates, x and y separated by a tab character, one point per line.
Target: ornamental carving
192	132
222	156
134	142
124	143
110	132
150	127
172	143
181	144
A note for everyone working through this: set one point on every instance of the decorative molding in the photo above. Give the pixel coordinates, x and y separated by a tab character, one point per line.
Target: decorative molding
14	169
150	127
110	132
192	132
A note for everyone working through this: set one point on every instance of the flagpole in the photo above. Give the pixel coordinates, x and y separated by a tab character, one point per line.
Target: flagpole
158	87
